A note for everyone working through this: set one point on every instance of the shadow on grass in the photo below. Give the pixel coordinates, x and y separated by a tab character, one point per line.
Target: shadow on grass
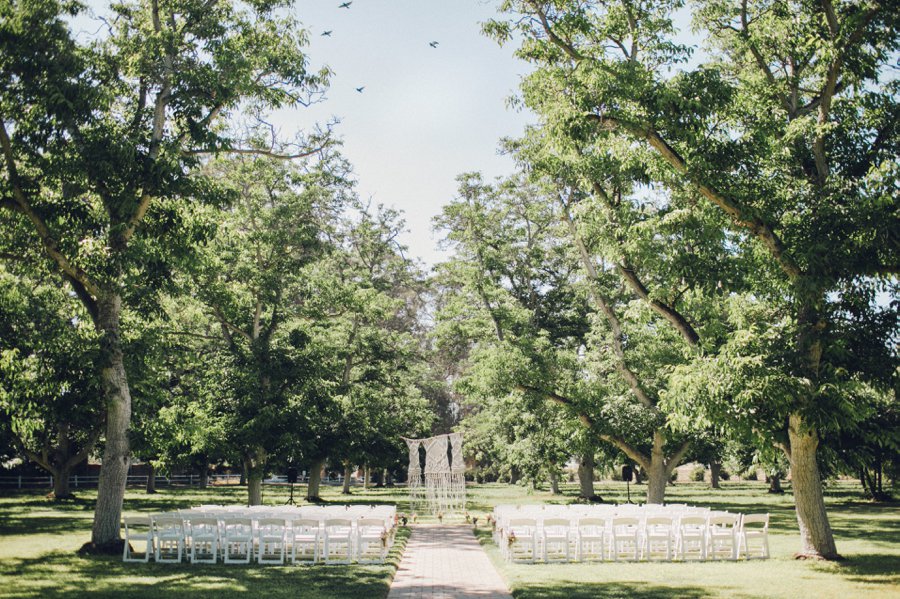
607	590
870	568
97	576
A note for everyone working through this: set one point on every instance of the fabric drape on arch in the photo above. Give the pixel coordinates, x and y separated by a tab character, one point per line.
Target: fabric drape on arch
444	488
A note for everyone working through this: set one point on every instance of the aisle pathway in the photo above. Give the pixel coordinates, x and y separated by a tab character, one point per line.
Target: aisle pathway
444	562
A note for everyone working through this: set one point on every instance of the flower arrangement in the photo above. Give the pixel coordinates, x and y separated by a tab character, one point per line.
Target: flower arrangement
475	521
511	539
492	522
468	518
440	516
384	538
415	517
402	518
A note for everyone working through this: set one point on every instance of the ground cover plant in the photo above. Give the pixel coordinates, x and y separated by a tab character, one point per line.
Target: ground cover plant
37	557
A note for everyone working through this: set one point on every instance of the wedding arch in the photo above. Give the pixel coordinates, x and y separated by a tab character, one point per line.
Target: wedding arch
441	486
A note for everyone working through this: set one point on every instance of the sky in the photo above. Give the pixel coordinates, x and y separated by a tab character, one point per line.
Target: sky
426	114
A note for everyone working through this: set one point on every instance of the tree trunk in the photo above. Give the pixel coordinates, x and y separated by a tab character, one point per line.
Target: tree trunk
367	477
715	468
204	477
388	478
151	479
815	531
347	472
61	489
255	463
586	475
254	487
658	472
554	482
243	480
315	480
117	395
513	475
775	484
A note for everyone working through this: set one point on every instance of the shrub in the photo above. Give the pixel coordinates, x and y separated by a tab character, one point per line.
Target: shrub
698	474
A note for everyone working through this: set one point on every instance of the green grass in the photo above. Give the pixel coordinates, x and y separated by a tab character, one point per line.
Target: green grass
868	535
38	540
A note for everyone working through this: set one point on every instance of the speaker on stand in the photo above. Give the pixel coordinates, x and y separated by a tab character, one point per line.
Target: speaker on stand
292	478
627	473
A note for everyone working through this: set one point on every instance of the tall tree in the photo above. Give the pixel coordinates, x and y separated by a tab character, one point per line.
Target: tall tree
794	143
99	140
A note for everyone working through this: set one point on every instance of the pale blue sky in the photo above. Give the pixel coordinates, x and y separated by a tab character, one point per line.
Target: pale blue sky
426	114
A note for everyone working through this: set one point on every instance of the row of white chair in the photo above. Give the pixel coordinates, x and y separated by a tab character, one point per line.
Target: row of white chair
720	535
204	537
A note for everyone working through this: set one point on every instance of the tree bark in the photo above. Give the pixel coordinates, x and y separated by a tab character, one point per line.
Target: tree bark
367	477
347	472
817	539
61	474
204	477
151	479
586	475
315	480
255	463
775	484
114	468
554	482
715	468
254	487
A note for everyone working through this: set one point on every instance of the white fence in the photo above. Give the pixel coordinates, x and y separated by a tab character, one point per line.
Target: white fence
82	481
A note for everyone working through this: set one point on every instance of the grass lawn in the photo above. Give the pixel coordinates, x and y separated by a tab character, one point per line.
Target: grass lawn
38	539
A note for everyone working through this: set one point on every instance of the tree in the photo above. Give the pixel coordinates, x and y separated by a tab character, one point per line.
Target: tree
49	391
794	143
99	141
254	280
606	371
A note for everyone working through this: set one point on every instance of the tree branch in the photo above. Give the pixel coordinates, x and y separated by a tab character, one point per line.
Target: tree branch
49	243
757	227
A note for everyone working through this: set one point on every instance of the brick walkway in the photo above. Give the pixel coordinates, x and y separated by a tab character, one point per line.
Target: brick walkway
444	562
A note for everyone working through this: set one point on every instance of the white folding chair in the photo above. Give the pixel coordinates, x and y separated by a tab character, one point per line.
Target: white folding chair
758	529
690	538
626	538
168	533
338	545
555	540
371	541
138	529
520	537
721	536
305	540
590	539
271	533
205	540
238	539
657	538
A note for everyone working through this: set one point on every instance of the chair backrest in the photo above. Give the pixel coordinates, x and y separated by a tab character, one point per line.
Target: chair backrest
591	525
723	520
760	521
363	523
237	525
332	523
659	521
625	521
270	526
135	521
204	524
522	524
305	526
692	522
168	524
556	522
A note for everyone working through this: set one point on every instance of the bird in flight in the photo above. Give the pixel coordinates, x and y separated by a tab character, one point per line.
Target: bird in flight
433	44
345	5
360	89
326	33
